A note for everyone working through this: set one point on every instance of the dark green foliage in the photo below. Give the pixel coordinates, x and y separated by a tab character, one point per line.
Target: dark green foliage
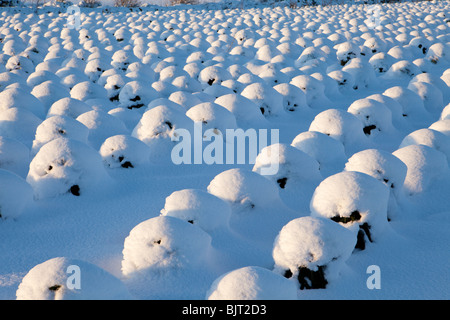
309	279
354	216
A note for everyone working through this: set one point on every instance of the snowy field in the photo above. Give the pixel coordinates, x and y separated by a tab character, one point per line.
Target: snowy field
103	197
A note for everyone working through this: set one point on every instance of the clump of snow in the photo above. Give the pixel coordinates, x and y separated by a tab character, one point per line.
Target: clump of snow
246	112
413	106
362	100
428	137
431	96
49	92
343	79
445	114
157	128
55	279
375	116
269	101
20	65
88	90
314	91
442	126
68	107
255	203
39	77
295	172
124	151
199	208
19	98
342	126
65	166
385	167
355	200
438	53
403	70
396	109
213	75
425	165
184	99
294	98
164	244
59	127
312	250
214	118
252	283
101	126
244	189
135	95
346	51
329	152
362	73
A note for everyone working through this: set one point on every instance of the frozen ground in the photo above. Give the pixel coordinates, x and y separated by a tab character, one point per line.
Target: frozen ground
87	116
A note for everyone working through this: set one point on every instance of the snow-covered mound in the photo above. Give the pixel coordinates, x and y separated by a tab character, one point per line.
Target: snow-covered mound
70	279
255	203
385	167
424	163
164	244
312	250
65	166
157	128
329	152
355	200
295	172
252	283
124	151
342	126
59	127
199	208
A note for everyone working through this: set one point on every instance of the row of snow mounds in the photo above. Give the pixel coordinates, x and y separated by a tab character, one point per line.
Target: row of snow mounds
347	209
113	92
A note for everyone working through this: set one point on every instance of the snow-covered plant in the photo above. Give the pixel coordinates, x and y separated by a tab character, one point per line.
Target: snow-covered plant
425	165
157	128
214	119
244	189
124	151
59	127
64	278
294	99
252	283
246	112
355	200
343	126
375	116
65	166
385	167
269	101
312	250
199	208
328	152
101	126
163	245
